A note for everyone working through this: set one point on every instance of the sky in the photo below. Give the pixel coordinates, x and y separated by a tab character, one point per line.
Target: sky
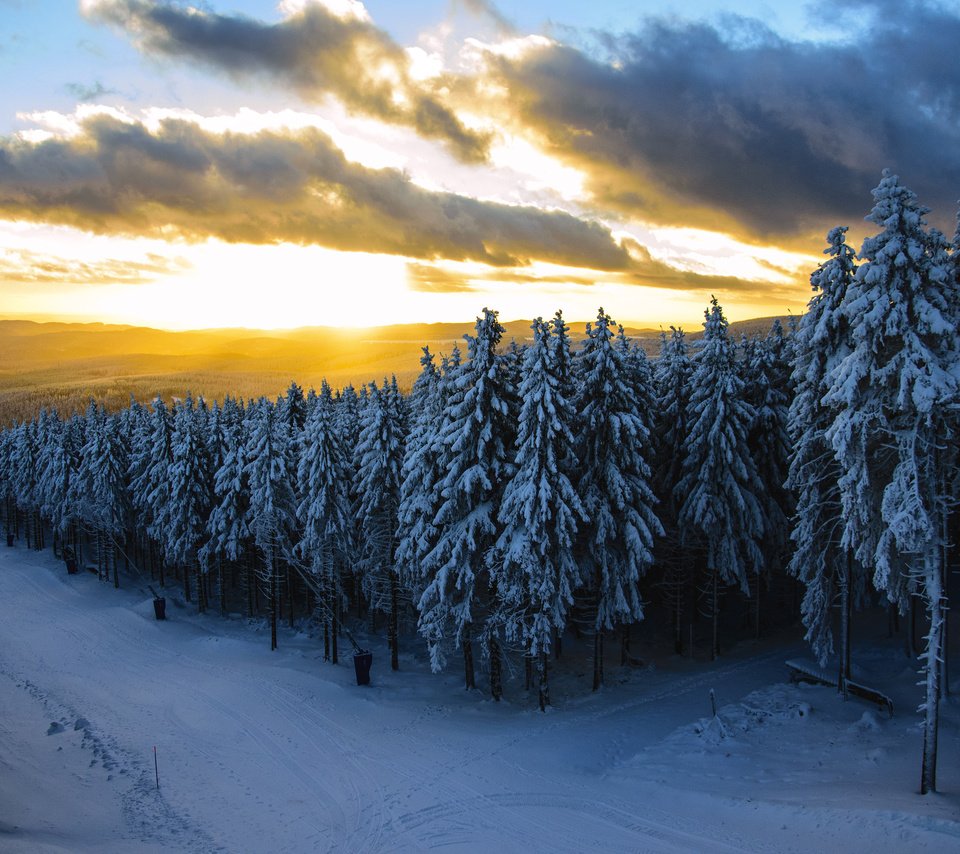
332	162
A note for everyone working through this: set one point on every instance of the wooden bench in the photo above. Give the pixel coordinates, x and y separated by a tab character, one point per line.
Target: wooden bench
804	671
808	671
871	695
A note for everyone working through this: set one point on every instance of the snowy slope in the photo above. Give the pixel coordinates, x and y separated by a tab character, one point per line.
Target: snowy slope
265	752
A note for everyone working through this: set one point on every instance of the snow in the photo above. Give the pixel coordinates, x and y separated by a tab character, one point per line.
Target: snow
281	752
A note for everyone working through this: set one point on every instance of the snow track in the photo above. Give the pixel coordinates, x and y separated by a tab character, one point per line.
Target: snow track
262	751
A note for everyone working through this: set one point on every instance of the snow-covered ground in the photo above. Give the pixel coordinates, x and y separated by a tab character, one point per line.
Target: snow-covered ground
270	752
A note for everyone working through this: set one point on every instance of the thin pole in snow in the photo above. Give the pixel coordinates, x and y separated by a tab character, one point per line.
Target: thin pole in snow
156	768
713	704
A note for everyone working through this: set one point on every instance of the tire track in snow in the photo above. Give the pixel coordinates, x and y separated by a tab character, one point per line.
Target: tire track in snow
146	813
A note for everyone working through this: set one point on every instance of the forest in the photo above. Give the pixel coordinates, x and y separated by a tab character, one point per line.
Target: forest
524	493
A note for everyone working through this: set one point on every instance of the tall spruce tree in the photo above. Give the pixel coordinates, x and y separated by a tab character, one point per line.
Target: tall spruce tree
150	486
819	560
896	392
272	499
475	439
766	373
324	509
671	379
614	483
419	476
720	510
533	566
379	457
190	499
228	526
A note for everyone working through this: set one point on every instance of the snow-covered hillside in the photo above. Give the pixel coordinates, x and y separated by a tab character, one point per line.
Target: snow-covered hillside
263	751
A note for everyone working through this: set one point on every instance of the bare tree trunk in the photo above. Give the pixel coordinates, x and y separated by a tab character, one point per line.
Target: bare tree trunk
201	588
273	602
715	616
911	636
394	629
677	620
496	676
756	624
944	581
468	674
597	659
222	592
251	584
935	606
845	609
290	595
544	693
334	610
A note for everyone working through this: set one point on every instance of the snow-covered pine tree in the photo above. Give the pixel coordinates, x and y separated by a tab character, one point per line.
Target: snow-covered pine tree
349	406
74	438
47	437
379	458
720	510
324	509
671	380
105	464
56	459
766	374
6	482
190	496
566	364
228	529
533	566
292	408
272	499
149	486
475	441
819	561
614	483
896	392
419	476
25	461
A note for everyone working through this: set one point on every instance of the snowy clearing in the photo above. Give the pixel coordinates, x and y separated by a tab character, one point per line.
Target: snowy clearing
261	751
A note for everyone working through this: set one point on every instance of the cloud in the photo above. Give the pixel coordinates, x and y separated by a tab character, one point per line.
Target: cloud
86	93
317	51
643	270
436	278
729	127
22	266
488	9
178	180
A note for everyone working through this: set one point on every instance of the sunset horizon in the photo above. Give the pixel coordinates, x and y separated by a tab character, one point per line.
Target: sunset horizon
328	162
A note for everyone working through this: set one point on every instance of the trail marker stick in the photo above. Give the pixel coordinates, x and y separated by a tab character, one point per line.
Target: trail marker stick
156	768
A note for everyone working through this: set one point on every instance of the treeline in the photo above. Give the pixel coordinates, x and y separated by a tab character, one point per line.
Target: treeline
521	491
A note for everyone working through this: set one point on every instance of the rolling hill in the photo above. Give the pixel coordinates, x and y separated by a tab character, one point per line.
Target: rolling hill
64	365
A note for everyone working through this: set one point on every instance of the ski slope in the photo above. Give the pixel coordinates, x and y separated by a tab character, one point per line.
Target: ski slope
270	752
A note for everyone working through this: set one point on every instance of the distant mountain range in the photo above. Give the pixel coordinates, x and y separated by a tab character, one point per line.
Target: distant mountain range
65	364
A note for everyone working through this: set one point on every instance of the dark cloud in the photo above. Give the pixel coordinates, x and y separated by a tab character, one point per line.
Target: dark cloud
84	93
26	267
434	278
314	52
642	271
488	9
181	181
731	127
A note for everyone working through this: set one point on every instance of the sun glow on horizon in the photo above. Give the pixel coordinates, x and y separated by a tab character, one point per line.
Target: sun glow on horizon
71	275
